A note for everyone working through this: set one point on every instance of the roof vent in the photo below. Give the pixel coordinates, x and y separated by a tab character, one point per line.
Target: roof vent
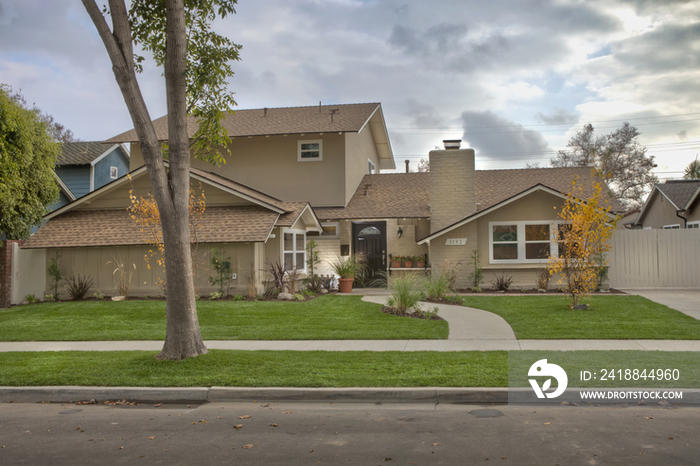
451	144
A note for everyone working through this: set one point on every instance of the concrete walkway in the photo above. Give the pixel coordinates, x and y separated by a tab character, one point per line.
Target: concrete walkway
685	300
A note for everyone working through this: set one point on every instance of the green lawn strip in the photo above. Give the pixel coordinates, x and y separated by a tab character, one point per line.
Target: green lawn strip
257	369
329	369
610	369
325	318
609	318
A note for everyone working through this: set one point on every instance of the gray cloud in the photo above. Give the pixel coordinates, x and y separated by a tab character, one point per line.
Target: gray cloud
423	115
558	116
492	135
671	46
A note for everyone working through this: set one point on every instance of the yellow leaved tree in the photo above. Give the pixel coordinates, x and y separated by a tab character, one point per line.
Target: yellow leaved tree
144	211
583	240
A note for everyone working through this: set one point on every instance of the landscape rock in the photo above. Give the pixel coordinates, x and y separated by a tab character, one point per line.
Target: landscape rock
284	297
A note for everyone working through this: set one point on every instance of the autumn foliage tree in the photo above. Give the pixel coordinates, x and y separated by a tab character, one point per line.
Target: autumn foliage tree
583	240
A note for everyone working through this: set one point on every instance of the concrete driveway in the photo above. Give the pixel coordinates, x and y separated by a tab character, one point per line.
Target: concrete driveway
685	300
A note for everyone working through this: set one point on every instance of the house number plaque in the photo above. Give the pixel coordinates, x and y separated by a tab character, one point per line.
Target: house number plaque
456	242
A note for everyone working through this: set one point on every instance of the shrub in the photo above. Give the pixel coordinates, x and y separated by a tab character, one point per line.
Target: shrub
214	295
313	283
502	283
477	276
78	287
98	295
222	270
292	280
543	277
122	274
31	299
49	298
55	273
436	286
238	297
348	267
275	285
405	293
298	297
430	313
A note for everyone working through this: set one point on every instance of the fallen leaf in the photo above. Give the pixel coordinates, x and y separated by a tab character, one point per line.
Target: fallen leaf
436	444
165	449
670	438
311	451
244	417
547	423
286	412
238	426
201	421
250	445
265	406
158	405
648	417
274	424
388	459
121	448
151	438
504	457
219	417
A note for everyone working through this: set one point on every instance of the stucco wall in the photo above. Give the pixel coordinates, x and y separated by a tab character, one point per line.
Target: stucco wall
660	212
359	148
269	164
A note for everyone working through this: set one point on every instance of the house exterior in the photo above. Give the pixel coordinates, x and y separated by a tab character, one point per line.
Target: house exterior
296	174
674	204
84	167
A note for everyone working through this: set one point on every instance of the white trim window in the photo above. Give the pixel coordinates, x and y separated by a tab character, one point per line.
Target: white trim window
294	249
522	242
693	225
310	151
113	173
331	230
677	226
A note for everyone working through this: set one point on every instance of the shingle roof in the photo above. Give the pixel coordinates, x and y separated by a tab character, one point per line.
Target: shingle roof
80	153
116	228
679	191
397	195
271	121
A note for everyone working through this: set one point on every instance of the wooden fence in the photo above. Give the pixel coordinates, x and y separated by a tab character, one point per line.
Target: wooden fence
655	259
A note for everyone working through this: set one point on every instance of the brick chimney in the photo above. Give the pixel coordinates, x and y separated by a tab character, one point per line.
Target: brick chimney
452	185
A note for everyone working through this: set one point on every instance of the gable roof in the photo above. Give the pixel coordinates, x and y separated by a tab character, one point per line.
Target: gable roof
273	121
402	195
80	153
482	212
680	193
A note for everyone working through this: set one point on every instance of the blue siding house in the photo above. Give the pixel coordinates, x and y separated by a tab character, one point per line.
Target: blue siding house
86	166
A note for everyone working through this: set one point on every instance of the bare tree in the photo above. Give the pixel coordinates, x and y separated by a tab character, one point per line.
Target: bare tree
621	161
195	60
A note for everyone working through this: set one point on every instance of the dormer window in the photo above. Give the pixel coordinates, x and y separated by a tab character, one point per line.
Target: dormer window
113	173
308	151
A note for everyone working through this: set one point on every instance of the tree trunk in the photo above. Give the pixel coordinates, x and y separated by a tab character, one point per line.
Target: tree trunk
171	190
182	338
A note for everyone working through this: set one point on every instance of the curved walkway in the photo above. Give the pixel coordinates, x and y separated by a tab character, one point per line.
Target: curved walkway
466	323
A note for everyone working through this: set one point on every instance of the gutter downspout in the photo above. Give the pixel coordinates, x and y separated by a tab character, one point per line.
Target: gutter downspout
685	220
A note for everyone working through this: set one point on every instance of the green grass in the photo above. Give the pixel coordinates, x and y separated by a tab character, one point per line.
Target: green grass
609	318
328	369
324	318
257	369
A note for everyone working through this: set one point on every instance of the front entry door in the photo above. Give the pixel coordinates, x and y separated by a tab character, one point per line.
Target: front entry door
369	244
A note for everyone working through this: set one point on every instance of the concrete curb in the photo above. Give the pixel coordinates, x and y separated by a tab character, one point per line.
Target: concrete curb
340	395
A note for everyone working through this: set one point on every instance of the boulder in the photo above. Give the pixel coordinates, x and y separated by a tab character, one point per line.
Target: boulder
284	297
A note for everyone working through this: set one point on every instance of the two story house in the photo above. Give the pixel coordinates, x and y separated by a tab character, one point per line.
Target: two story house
296	174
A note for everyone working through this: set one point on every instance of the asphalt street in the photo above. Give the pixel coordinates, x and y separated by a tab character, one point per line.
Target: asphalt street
347	433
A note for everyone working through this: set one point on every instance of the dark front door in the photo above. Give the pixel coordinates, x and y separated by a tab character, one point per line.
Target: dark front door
369	245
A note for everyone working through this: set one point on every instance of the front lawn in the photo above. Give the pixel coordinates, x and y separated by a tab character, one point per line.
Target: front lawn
324	318
609	318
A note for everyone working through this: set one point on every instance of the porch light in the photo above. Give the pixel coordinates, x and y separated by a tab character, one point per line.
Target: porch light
399	233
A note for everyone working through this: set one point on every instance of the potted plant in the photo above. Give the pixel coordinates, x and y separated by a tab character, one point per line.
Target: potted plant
396	262
346	268
419	262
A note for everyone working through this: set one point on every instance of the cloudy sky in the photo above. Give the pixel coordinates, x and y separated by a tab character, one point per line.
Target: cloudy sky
513	79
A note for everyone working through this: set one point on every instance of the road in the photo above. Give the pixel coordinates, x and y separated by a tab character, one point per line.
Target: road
347	433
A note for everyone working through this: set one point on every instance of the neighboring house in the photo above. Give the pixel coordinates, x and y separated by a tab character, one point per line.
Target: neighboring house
296	174
674	204
84	167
